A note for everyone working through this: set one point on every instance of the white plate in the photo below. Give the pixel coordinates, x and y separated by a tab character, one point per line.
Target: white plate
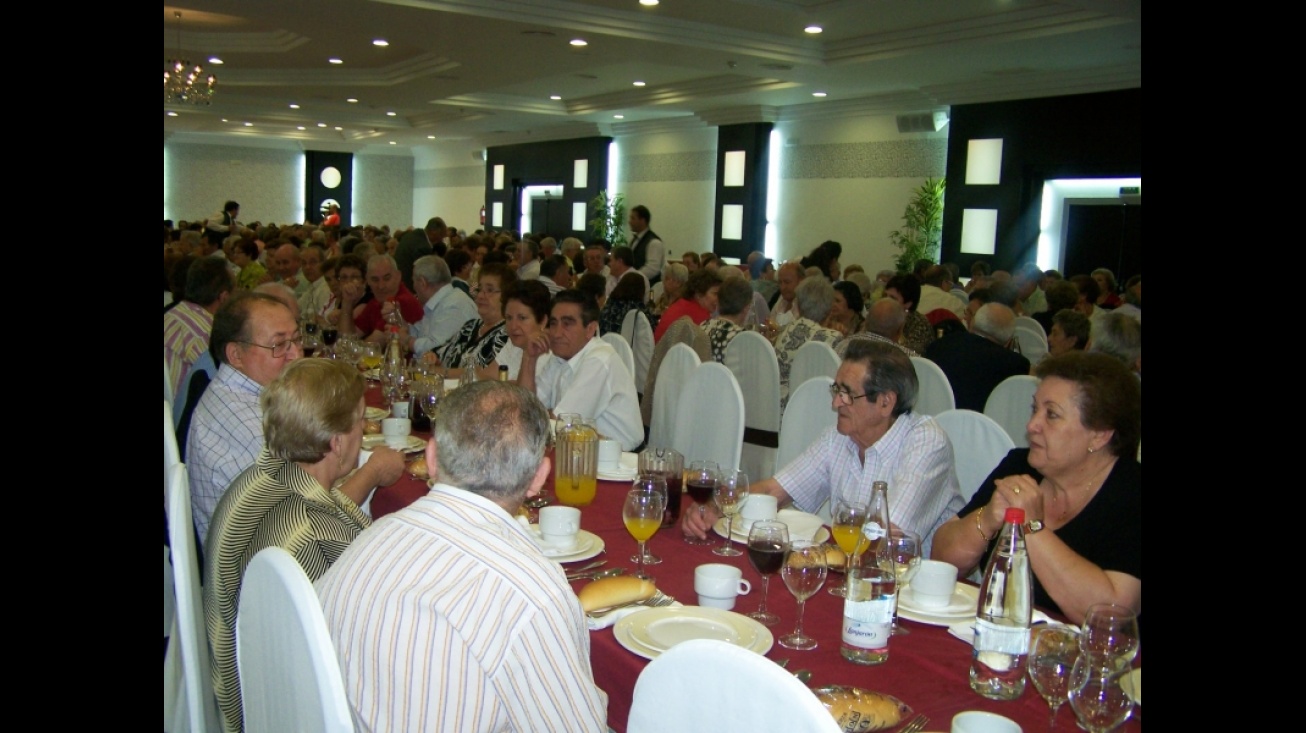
375	413
965	598
649	633
1132	683
627	470
412	443
587	545
791	517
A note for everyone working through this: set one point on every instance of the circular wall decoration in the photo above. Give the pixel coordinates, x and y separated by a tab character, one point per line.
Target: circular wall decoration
330	177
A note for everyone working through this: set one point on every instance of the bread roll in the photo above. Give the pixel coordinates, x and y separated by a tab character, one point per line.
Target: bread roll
834	557
859	711
372	427
609	592
418	468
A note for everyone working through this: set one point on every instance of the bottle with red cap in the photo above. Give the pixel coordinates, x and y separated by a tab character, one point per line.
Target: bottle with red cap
1002	616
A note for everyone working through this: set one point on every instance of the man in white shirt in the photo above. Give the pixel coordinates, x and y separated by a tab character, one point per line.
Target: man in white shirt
623	261
493	638
785	309
936	287
318	293
650	253
445	308
586	376
528	257
285	264
555	273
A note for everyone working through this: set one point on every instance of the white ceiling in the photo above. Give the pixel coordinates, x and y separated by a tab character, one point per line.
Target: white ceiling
481	71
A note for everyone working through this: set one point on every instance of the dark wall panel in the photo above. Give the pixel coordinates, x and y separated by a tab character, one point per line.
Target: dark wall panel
547	163
315	191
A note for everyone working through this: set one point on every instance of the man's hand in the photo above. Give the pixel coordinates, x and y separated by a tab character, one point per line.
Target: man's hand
697	519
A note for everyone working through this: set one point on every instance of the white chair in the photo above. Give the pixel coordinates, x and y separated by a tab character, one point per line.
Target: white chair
167	379
677	365
751	358
709	423
1009	405
189	705
171	454
813	359
748	692
935	393
636	329
978	445
1032	324
289	674
807	415
171	457
1033	344
622	348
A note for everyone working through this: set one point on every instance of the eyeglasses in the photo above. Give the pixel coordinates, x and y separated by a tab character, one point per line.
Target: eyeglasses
349	278
281	348
845	395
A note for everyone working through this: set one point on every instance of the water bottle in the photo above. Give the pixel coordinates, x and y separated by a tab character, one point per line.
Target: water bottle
870	589
1002	616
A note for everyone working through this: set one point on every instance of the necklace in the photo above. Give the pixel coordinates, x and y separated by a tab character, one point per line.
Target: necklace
1068	500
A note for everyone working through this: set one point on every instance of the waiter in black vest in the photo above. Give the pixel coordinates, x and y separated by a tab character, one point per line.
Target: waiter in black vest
650	253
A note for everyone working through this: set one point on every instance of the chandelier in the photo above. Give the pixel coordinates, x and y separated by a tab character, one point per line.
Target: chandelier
185	83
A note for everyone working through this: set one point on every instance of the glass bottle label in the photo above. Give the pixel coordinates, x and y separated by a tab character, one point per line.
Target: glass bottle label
867	624
872	530
991	637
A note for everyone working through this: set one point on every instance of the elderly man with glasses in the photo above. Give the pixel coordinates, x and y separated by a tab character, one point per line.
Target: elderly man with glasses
876	438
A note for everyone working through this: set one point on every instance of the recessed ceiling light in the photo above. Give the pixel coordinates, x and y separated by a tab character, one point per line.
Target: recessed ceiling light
321	124
352	100
818	94
650	3
391	113
555	97
392	142
215	61
813	29
339	129
335	61
224	119
639	83
294	106
579	42
300	127
380	42
249	124
618	117
430	137
172	114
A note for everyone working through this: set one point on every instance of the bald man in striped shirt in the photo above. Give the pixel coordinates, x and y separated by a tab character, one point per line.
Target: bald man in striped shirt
445	615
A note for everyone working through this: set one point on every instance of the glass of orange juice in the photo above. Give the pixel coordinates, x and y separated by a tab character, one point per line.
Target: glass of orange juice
642	513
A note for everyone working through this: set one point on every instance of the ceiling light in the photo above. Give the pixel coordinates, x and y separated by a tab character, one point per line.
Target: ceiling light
380	42
172	114
294	106
392	142
579	42
224	119
352	100
813	29
215	61
184	83
639	83
300	127
649	3
339	129
430	137
555	97
335	61
618	117
390	113
249	124
818	94
321	124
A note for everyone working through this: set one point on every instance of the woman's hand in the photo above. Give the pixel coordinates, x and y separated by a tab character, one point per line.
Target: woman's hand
697	519
1020	491
537	345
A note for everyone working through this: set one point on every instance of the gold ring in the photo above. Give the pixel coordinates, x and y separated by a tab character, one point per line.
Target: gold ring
1016	490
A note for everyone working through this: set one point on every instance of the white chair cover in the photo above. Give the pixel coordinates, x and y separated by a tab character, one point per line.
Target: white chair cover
935	393
1032	324
618	343
188	702
1033	344
978	445
807	415
171	456
751	358
167	380
813	359
673	374
289	674
709	423
747	692
639	333
1009	406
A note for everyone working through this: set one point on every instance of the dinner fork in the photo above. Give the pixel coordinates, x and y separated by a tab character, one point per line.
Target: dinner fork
657	600
915	725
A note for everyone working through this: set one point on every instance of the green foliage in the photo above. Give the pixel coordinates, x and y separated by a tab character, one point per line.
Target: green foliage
609	217
922	226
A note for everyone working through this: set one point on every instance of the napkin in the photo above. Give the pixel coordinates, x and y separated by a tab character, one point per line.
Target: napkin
966	629
612	617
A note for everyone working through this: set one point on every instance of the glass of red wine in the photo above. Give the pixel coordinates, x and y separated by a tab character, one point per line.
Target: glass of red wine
767	543
329	337
700	482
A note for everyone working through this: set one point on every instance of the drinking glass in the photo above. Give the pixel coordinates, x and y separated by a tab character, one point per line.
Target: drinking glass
329	337
1096	695
1052	655
642	513
671	465
846	525
803	573
651	483
700	482
730	494
767	543
1109	634
905	550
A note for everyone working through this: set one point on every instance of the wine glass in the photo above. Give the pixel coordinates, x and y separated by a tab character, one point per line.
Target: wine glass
729	495
803	573
767	543
1096	696
642	513
904	547
329	337
700	482
846	525
1052	654
1109	634
653	483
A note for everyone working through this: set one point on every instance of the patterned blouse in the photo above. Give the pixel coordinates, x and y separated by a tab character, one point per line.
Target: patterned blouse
720	333
917	333
614	314
791	338
469	347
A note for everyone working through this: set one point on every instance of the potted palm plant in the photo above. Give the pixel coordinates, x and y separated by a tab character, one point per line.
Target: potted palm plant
922	229
609	217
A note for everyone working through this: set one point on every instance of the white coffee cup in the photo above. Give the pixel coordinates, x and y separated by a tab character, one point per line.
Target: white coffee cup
758	508
396	430
933	584
978	721
401	408
559	525
609	454
718	585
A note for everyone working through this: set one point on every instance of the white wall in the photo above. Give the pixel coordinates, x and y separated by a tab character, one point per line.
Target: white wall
674	175
449	182
383	186
199	178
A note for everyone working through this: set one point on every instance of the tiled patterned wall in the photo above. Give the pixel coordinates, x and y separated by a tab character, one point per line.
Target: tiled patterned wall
383	190
893	159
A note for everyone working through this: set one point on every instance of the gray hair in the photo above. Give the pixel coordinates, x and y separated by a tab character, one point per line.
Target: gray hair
491	438
886	317
1118	335
815	296
734	295
996	321
433	269
887	370
283	294
675	271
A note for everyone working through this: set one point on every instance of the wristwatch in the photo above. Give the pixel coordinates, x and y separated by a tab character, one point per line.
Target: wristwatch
1034	525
